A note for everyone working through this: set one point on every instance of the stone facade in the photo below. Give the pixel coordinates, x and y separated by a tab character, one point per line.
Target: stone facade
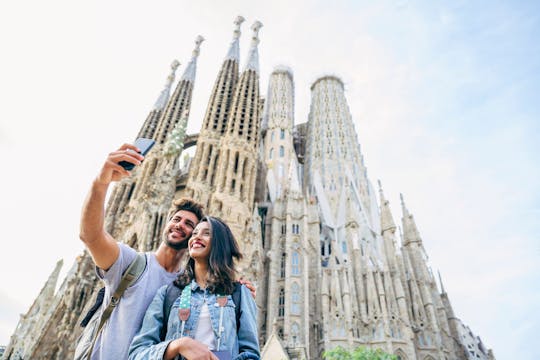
318	241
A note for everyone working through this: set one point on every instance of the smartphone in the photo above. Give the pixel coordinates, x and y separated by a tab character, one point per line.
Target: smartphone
142	144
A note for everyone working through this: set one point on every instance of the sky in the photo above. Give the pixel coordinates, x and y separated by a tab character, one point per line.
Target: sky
444	96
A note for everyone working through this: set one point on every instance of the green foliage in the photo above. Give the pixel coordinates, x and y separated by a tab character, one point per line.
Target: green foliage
360	353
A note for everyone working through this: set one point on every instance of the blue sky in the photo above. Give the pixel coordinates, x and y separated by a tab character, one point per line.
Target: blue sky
444	96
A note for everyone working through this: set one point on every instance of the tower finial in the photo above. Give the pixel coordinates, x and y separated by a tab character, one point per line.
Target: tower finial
191	69
253	57
257	25
164	95
234	49
238	22
198	41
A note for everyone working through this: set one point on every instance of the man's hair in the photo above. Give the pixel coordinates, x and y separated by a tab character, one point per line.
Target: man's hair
186	204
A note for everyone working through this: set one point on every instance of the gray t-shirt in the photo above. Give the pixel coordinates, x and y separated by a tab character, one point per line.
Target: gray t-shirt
126	319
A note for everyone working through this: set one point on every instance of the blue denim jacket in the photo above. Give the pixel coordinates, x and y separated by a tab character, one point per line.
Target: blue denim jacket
242	345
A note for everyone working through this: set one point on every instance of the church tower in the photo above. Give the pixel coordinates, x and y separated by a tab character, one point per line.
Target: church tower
203	170
292	230
224	169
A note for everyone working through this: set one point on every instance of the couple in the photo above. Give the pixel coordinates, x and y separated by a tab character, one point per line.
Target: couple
206	306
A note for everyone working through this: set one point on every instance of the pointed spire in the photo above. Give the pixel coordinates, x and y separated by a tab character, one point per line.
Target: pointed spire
253	57
440	281
387	221
410	231
50	285
164	95
191	69
234	48
403	207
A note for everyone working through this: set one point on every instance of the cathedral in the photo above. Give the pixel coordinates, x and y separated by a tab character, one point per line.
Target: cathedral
319	240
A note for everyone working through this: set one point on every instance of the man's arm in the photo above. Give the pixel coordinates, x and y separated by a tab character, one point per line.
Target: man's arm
99	242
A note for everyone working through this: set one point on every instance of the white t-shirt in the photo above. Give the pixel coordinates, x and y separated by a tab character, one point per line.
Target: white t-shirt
126	318
204	332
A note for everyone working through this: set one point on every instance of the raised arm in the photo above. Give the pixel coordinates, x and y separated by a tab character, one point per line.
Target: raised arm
99	242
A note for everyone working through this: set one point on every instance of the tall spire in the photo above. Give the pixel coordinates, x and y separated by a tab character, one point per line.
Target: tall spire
165	93
410	231
234	48
440	281
150	124
387	222
180	100
191	69
253	56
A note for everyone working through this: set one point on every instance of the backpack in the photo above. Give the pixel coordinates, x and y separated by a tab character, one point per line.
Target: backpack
173	292
94	324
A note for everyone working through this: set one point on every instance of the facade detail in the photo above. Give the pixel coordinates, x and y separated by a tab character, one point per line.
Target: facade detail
319	240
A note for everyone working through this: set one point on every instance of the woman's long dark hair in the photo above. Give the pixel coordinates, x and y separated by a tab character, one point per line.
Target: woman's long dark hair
221	269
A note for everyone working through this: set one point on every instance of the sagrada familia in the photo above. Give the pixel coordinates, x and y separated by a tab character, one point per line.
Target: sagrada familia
319	241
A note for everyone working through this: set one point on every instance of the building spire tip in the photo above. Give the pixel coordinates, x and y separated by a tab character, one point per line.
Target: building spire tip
238	22
175	64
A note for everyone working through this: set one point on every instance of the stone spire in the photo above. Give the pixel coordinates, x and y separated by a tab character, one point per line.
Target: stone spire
387	221
440	282
234	48
410	231
149	127
165	93
191	69
203	170
253	56
181	98
237	159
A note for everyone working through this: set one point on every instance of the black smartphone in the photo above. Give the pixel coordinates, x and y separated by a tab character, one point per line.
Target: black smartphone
142	144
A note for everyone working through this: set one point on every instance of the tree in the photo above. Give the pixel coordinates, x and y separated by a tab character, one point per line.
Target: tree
360	353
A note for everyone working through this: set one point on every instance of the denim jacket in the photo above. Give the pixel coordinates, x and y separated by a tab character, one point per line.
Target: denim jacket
242	344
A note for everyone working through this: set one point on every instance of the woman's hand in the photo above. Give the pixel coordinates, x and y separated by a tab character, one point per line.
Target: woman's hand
252	289
188	348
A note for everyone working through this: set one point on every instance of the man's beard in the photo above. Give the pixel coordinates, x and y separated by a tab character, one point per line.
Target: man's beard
176	245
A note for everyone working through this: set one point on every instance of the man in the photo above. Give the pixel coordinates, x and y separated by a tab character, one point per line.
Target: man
112	258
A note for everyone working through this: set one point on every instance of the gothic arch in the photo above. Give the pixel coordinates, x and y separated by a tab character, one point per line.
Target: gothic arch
400	355
429	357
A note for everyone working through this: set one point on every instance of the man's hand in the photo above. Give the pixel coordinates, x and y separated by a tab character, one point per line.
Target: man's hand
249	285
111	171
189	348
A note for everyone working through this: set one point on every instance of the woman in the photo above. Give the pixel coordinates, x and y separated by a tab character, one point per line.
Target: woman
205	302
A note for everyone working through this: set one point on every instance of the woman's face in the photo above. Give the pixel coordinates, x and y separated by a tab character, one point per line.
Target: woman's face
200	242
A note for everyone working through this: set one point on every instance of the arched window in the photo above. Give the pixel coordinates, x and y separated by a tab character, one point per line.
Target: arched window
281	308
281	151
282	134
271	153
272	136
295	299
295	262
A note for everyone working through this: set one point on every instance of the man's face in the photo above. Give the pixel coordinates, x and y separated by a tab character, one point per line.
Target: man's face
179	229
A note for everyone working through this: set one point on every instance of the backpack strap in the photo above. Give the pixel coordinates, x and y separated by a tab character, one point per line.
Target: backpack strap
173	292
132	274
237	299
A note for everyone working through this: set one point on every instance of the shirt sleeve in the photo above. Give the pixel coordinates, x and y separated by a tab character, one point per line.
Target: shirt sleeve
248	339
112	277
147	345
